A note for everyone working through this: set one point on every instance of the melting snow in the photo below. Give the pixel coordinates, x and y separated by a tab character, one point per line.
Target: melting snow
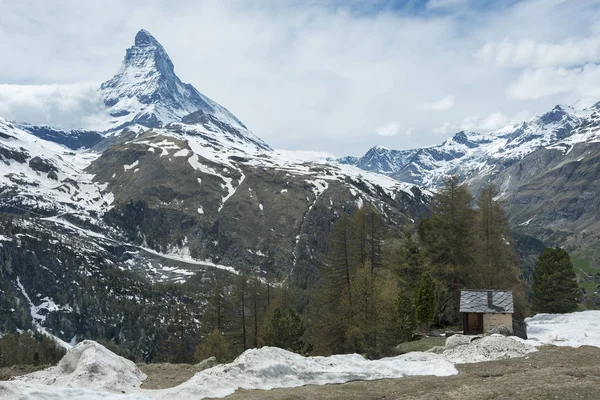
572	330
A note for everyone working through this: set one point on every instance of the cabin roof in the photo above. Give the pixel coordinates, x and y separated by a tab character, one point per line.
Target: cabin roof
476	301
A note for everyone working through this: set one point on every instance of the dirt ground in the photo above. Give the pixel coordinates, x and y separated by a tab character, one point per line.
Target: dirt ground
17	370
162	376
552	373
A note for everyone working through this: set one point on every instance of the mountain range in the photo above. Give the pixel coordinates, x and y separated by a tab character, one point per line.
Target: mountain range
546	172
173	189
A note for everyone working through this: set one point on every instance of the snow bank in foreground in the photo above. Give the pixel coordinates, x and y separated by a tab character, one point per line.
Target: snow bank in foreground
90	365
488	348
90	371
573	330
271	367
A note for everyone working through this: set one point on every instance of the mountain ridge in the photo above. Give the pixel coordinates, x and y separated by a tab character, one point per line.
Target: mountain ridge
471	154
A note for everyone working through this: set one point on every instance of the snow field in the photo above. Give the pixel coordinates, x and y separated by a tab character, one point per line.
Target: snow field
270	367
572	330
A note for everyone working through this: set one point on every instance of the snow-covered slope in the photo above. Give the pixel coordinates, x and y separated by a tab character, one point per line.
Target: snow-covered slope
572	330
474	155
43	176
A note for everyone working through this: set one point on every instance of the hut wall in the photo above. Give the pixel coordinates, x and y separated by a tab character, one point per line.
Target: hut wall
492	320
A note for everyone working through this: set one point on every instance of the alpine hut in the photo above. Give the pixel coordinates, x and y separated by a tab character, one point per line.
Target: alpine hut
483	310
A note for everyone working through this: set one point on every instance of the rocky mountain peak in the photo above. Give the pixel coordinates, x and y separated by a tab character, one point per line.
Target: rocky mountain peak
143	37
146	91
148	54
555	115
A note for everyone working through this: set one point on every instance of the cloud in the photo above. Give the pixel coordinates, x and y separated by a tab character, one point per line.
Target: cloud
389	129
443	104
529	53
63	106
580	83
445	129
444	4
491	122
313	75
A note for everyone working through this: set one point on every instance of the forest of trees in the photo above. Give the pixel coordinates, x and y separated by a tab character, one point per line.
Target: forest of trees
376	288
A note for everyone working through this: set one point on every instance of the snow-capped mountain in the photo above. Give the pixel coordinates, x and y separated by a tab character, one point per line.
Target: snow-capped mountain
474	155
546	171
173	189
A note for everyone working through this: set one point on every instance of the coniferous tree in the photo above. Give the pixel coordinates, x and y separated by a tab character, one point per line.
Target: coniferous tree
215	345
495	258
425	299
448	237
332	304
285	330
555	287
407	317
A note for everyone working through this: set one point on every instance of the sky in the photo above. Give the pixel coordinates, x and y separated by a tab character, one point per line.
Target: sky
334	76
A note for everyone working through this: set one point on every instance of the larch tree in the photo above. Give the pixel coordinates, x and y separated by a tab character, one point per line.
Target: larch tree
448	238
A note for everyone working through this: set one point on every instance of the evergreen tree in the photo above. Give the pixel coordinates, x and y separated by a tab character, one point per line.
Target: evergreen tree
332	304
407	317
215	345
495	259
555	288
425	299
285	330
448	237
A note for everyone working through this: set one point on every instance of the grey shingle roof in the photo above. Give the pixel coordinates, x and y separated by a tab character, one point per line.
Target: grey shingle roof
477	301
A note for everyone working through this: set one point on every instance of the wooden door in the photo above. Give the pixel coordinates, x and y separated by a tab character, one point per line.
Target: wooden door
474	324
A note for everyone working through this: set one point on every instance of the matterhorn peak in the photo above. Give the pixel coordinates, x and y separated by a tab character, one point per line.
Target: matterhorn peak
147	91
143	37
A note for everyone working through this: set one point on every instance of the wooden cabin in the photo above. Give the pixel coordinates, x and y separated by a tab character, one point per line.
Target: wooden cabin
483	310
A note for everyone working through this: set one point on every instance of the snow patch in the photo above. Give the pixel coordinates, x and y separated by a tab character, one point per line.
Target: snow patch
130	166
572	330
488	348
92	366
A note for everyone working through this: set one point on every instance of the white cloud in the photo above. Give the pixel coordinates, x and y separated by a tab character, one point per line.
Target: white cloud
64	106
580	83
443	4
389	129
443	104
313	75
527	52
492	121
445	129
